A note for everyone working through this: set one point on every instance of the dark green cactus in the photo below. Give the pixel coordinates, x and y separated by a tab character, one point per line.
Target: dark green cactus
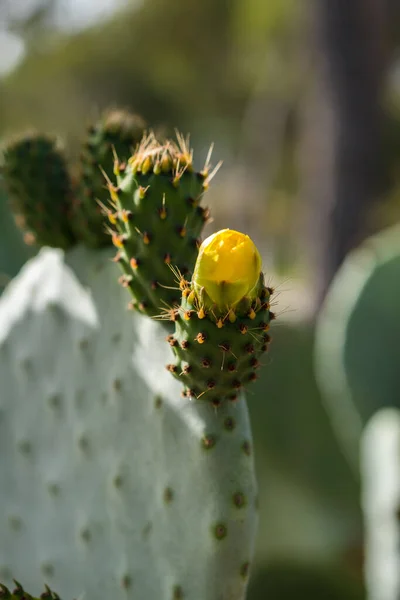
157	218
116	134
221	327
18	593
40	188
59	206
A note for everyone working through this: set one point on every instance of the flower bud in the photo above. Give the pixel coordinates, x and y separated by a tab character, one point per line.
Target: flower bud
227	268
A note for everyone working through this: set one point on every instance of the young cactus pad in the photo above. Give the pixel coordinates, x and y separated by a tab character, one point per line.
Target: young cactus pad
157	218
116	134
37	180
222	324
111	484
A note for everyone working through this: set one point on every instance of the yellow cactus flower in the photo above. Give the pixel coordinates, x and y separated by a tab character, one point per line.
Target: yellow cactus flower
227	268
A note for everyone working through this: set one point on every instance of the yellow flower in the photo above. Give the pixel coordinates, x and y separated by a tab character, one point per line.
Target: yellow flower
228	268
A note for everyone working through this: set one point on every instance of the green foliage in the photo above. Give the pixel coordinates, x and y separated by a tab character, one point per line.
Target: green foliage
356	340
156	213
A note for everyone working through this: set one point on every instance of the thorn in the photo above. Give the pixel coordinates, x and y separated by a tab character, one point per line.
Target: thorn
134	263
117	240
200	338
251	314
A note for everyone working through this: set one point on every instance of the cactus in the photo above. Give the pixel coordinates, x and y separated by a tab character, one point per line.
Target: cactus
112	483
221	326
13	251
18	593
37	179
380	469
157	218
56	203
116	134
356	353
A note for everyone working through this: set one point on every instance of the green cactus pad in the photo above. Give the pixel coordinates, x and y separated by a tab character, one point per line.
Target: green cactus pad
114	485
217	355
356	353
37	180
115	135
155	210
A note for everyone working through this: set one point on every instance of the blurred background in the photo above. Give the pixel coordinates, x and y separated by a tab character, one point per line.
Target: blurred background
302	101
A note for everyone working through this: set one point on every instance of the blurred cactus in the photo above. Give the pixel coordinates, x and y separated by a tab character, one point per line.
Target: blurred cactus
356	338
380	470
357	368
114	137
13	251
36	177
57	204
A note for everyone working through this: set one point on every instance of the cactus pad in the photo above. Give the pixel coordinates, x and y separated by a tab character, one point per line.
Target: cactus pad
111	484
157	217
115	135
37	180
218	354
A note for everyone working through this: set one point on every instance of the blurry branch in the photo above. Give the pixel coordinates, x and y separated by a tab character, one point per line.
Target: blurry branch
351	65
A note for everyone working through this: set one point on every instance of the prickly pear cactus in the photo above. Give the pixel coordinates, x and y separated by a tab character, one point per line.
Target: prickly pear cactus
13	251
356	354
221	327
380	474
111	483
36	176
59	204
157	218
113	137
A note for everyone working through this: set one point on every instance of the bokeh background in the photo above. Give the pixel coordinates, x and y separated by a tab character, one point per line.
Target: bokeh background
302	101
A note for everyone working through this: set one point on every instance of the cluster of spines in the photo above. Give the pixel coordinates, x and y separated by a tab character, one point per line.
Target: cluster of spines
217	356
155	219
18	593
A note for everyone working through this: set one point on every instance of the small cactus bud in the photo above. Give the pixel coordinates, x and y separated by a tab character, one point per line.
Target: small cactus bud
228	268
